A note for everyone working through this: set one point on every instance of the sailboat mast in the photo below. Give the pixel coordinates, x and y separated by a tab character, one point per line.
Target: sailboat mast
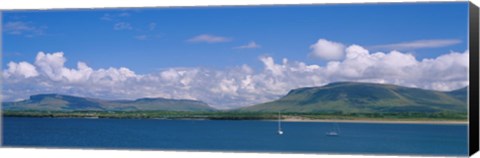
338	129
279	123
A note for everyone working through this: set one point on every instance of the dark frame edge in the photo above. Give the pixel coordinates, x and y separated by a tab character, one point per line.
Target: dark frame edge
473	94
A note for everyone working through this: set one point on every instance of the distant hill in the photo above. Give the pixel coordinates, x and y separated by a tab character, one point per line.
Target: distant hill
460	94
58	102
353	97
346	97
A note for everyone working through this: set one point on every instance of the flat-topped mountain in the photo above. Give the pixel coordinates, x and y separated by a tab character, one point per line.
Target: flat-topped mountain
58	102
354	97
343	97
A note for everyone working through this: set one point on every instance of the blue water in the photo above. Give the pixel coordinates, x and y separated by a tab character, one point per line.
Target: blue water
246	136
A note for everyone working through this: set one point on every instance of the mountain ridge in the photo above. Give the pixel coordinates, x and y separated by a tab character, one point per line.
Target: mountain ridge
344	97
61	102
359	97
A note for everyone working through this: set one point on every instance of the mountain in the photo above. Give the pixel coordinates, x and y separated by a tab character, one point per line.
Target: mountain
346	97
58	102
354	97
161	104
460	94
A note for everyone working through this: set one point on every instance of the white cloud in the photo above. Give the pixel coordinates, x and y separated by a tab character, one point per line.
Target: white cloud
52	67
22	28
412	45
327	50
23	69
51	64
122	26
124	14
114	17
227	86
270	66
360	64
233	87
17	27
250	45
118	20
209	39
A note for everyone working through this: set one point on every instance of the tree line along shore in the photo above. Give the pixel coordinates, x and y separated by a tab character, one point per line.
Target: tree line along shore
229	115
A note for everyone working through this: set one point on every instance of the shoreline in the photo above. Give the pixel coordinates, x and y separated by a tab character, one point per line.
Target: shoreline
366	120
378	121
445	122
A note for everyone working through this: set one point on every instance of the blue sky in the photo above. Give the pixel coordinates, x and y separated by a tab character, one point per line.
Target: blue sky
282	31
232	56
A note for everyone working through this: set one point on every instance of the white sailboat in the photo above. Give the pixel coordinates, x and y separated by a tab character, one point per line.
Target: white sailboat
279	132
335	131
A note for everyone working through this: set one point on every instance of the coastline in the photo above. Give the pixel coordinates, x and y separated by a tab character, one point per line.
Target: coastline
366	120
289	119
242	116
378	121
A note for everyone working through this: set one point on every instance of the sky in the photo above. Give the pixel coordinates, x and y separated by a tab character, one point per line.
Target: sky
231	57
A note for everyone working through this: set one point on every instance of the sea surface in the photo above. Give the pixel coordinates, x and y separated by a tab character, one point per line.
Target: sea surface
237	136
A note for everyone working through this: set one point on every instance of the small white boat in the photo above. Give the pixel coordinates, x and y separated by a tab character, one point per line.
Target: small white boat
335	131
279	132
332	133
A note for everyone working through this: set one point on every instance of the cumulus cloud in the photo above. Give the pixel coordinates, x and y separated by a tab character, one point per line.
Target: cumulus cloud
234	87
209	39
250	45
327	50
52	67
23	69
412	45
271	67
451	70
48	74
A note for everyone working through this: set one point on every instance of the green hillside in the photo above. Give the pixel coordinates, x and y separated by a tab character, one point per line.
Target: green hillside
57	102
352	97
460	94
334	98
